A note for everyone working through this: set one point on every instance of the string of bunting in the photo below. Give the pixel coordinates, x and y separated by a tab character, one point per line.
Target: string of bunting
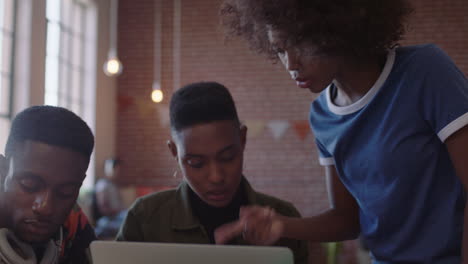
256	128
277	128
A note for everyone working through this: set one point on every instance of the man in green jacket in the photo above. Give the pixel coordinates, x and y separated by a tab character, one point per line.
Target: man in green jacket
208	143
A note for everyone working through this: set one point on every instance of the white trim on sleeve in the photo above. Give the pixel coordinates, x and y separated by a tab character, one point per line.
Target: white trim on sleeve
326	161
453	127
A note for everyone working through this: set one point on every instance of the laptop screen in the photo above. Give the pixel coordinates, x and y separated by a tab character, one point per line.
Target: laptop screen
104	252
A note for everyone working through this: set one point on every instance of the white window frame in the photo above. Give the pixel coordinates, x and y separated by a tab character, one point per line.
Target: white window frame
70	74
7	56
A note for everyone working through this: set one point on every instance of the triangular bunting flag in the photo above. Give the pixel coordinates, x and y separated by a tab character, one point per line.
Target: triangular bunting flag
254	128
302	128
123	102
278	128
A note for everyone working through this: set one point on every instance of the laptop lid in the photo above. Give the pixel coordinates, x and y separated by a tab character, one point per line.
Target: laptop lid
104	252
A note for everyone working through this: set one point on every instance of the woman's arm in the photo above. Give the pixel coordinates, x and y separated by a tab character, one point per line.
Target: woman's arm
260	225
340	222
457	145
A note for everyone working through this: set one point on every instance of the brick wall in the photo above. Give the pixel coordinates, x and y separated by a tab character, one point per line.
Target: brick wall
286	167
444	23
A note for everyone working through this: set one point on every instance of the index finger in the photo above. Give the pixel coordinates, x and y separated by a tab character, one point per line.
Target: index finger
228	231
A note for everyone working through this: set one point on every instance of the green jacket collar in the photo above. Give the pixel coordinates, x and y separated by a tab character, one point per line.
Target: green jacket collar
182	216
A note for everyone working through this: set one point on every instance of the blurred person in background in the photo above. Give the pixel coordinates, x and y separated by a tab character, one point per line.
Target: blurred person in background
109	210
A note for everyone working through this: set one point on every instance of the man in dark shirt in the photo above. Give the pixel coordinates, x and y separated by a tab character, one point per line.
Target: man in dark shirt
46	158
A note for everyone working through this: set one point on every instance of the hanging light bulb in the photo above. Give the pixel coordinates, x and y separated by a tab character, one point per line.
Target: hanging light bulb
157	95
113	66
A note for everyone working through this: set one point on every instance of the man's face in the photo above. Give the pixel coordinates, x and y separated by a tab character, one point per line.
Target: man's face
39	186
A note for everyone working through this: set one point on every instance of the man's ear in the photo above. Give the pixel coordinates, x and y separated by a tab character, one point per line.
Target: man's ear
173	148
243	135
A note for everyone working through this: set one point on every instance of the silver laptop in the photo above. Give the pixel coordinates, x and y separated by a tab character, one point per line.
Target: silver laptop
106	252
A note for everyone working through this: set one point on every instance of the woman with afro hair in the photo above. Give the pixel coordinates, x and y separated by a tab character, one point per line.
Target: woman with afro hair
390	124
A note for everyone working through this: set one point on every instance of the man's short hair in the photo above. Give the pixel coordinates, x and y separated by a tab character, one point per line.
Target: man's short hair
51	125
200	103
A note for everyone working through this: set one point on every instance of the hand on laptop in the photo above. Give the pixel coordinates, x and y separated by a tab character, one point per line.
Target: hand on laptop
257	225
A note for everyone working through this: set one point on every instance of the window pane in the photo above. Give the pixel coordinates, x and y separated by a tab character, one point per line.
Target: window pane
53	10
6	54
4	131
52	77
2	14
51	98
2	40
64	84
77	53
8	15
68	51
53	39
76	86
77	19
6	41
5	94
65	46
66	13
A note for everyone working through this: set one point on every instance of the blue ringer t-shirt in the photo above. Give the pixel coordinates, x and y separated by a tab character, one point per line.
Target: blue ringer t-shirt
388	149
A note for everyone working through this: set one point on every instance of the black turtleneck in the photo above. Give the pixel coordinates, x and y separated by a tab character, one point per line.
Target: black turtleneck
212	217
